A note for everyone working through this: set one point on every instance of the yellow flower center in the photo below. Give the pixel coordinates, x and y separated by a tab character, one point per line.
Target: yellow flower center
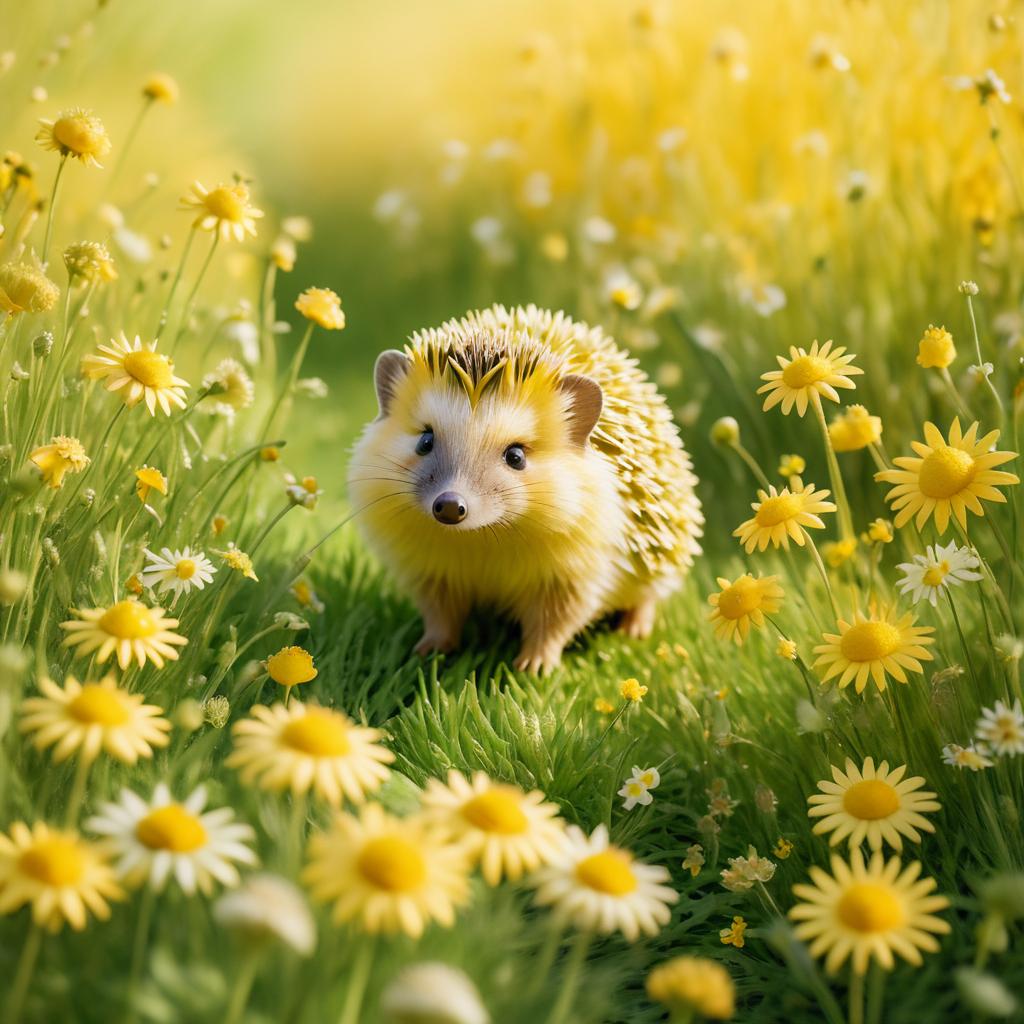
128	620
226	203
935	576
55	861
497	810
317	733
150	369
773	511
185	569
392	864
75	134
870	641
743	597
871	799
805	371
868	907
608	871
171	828
98	705
946	472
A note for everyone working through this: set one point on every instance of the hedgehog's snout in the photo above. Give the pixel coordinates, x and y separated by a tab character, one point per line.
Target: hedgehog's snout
450	508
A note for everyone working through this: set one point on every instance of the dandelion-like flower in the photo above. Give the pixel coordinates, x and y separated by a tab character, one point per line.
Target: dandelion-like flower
936	350
225	209
947	478
818	372
632	690
1001	728
239	561
322	306
230	388
26	289
94	717
291	666
781	516
872	804
867	911
971	756
162	837
129	628
303	747
388	874
937	570
599	887
743	603
874	647
160	88
61	876
139	372
855	429
743	872
505	830
77	133
61	456
90	262
692	985
177	571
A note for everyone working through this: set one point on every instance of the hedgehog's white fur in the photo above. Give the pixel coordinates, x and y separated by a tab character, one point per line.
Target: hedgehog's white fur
603	518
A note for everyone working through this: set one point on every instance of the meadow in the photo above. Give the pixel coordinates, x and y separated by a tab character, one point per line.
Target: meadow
230	791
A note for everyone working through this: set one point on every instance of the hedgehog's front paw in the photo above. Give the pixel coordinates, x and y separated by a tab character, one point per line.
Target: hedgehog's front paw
638	621
540	659
433	640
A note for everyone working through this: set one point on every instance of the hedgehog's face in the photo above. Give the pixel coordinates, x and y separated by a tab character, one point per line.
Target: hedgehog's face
487	465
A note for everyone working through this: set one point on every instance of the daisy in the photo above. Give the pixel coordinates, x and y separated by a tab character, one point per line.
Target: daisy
505	830
947	478
936	348
139	372
781	516
128	627
742	603
24	288
304	746
93	717
600	887
322	306
874	647
872	804
163	837
148	479
972	756
61	456
235	558
854	430
229	388
225	209
1001	728
693	986
637	788
937	570
388	874
805	375
59	874
178	571
78	133
867	911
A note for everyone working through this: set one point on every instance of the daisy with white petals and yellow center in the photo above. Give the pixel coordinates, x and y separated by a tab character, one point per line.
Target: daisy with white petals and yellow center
504	829
937	570
781	516
303	746
177	571
387	874
1001	728
91	718
743	603
139	372
868	911
808	376
163	837
872	804
135	632
601	888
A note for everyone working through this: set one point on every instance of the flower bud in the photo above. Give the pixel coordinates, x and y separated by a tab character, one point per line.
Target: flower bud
725	431
984	993
42	344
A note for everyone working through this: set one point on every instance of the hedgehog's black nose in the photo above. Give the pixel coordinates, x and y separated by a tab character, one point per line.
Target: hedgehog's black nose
449	508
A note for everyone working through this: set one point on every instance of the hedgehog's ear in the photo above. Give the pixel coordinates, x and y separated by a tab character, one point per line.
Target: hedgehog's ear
388	371
584	406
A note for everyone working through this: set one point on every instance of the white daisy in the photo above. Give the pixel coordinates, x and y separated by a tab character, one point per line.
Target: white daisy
600	887
1001	729
940	568
636	789
973	756
177	571
163	837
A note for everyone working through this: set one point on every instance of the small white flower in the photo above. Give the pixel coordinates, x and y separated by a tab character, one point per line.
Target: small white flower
764	299
633	793
177	571
305	492
622	289
598	231
311	387
1001	728
743	872
268	907
133	246
536	191
938	569
432	993
972	756
389	205
981	371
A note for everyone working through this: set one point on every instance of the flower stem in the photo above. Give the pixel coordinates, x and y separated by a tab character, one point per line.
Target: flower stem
77	791
23	974
140	944
186	312
823	573
752	465
856	997
166	311
53	205
954	394
126	146
570	978
845	520
357	982
293	374
242	987
981	362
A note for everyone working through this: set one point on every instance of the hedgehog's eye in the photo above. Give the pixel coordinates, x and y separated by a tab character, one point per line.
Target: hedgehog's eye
515	457
425	445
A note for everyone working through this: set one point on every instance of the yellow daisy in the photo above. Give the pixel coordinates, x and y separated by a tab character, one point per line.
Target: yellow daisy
139	372
781	516
805	375
61	456
304	746
225	209
867	911
742	603
947	478
291	666
855	429
161	88
874	646
872	804
60	875
26	289
507	831
388	874
127	627
147	479
93	717
237	559
693	985
78	133
322	306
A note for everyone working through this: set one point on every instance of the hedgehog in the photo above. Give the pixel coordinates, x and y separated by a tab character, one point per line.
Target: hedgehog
521	461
